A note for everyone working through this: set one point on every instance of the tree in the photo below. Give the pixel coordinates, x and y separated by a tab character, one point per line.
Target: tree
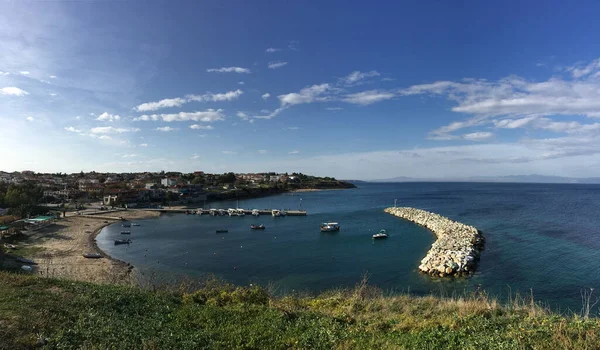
198	180
227	178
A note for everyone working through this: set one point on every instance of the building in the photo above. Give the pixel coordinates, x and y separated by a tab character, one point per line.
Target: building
168	182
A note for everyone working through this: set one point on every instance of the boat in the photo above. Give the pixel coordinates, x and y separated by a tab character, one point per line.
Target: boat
122	241
257	227
222	212
222	230
330	227
92	256
213	212
241	212
232	212
380	235
126	225
277	213
134	224
255	212
125	232
9	246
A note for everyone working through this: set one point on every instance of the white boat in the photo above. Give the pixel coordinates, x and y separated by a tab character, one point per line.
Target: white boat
222	212
241	212
213	212
135	224
330	227
255	212
380	235
232	212
276	212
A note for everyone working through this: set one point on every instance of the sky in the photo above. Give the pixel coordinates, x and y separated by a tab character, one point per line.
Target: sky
350	89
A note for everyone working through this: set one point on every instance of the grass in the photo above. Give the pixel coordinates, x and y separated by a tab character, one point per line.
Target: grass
62	314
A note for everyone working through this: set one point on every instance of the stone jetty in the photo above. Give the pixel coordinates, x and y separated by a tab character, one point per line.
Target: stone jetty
456	250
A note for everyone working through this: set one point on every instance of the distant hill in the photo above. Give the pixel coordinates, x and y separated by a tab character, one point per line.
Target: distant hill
532	178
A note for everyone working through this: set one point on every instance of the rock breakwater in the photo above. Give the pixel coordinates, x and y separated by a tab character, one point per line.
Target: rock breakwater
457	248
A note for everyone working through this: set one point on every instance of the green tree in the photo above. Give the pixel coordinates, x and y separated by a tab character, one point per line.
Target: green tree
227	178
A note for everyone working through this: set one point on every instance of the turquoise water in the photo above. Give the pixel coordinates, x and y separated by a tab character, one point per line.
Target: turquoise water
541	238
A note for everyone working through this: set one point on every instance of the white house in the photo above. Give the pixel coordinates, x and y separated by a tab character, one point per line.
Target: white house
168	182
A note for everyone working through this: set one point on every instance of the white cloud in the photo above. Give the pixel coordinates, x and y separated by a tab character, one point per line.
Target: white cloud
143	145
358	77
241	83
272	49
111	130
306	95
24	72
478	136
201	127
581	71
29	119
242	115
334	108
275	65
228	96
77	118
53	77
262	151
368	97
229	152
266	96
107	117
105	137
146	117
4	73
133	155
208	116
166	129
294	152
165	103
53	94
291	128
229	70
195	156
13	91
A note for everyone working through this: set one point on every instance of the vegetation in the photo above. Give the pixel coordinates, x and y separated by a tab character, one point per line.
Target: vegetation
63	314
22	199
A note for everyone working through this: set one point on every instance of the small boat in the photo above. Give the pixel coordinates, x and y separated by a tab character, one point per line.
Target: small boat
135	224
276	212
255	212
380	235
92	256
329	227
122	241
222	212
9	246
26	268
232	212
241	212
257	227
213	212
126	225
125	232
222	230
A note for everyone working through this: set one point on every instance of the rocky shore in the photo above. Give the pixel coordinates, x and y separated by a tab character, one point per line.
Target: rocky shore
457	248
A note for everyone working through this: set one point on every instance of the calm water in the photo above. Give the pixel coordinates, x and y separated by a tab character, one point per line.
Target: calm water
540	237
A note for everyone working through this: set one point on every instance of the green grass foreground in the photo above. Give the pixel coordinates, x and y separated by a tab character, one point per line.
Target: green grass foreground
61	314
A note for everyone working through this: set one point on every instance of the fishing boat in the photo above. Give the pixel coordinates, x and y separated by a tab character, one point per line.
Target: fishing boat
134	224
92	256
126	225
122	241
222	230
330	227
257	227
382	234
125	232
255	212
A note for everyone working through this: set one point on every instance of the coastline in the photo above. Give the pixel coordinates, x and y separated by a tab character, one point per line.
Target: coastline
58	250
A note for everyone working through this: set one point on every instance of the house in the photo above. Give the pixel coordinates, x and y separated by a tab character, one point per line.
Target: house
168	182
150	185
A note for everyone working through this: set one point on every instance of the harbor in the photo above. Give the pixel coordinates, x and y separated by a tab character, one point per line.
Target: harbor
225	212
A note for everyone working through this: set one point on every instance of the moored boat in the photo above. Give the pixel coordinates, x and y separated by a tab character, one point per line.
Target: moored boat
135	224
240	212
125	232
213	212
222	212
232	212
92	256
329	227
126	225
255	212
380	235
122	241
277	213
222	230
257	227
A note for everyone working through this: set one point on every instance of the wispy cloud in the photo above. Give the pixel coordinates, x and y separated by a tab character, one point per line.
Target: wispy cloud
107	117
272	49
29	118
262	151
201	127
266	96
294	152
72	129
334	108
306	95
229	70
291	128
275	65
179	101
13	91
208	116
143	145
166	129
229	152
195	156
112	130
478	136
4	73
24	72
132	155
241	83
368	97
53	77
358	77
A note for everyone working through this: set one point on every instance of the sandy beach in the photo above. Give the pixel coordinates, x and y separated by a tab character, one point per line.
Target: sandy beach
58	249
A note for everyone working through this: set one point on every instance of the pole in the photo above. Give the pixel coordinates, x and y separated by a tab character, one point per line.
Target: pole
395	200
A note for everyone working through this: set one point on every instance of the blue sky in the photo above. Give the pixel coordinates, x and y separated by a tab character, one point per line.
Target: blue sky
345	89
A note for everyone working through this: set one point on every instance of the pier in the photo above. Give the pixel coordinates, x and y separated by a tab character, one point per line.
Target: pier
207	211
456	250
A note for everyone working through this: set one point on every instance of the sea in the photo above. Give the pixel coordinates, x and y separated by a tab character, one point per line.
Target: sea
541	240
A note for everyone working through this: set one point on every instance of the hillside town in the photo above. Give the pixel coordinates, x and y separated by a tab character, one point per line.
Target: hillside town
147	189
